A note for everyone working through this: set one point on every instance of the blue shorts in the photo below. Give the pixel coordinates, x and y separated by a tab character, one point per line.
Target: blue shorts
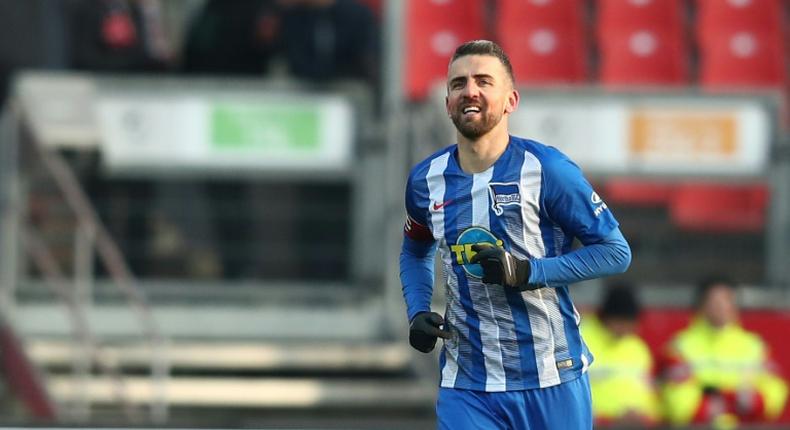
567	406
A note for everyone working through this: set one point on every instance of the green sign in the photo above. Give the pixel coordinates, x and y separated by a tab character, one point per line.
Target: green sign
256	128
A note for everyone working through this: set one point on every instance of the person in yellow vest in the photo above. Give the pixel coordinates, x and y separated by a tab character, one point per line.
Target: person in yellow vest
716	372
621	376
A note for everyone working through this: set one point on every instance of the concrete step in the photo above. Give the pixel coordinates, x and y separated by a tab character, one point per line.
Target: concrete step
235	356
238	392
365	321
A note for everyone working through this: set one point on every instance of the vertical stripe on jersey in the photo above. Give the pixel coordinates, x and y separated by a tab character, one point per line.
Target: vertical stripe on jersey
472	371
509	309
510	227
542	311
552	297
480	293
436	191
559	241
572	320
455	316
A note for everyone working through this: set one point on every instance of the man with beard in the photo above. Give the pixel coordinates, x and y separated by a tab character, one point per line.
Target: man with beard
503	212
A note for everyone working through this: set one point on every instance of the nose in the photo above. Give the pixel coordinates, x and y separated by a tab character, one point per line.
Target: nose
471	90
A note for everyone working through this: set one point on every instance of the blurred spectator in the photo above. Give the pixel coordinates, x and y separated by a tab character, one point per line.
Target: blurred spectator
125	36
621	375
329	39
119	35
32	36
716	372
232	37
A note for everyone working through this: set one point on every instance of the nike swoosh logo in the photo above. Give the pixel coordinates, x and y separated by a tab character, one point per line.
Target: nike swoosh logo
437	206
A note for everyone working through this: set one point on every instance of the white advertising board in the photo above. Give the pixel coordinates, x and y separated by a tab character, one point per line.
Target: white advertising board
652	136
230	133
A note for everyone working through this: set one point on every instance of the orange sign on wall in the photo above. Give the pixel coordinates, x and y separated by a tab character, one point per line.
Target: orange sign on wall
682	135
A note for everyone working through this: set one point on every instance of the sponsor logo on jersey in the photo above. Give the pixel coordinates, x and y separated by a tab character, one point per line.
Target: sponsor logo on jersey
596	200
462	250
436	205
504	194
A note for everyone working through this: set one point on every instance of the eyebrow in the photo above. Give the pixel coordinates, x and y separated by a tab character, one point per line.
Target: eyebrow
477	76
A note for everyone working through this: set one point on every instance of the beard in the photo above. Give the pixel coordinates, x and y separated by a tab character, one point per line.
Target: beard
474	128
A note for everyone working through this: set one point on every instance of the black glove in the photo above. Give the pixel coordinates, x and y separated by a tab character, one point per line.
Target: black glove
500	267
424	330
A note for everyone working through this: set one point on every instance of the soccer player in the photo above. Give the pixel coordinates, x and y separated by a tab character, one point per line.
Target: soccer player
503	212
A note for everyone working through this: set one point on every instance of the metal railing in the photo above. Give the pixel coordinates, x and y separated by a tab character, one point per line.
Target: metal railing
91	238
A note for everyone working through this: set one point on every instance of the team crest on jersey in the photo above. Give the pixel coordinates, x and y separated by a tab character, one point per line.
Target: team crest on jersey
462	249
504	194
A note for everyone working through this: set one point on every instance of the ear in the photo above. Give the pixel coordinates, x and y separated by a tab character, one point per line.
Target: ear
512	101
447	105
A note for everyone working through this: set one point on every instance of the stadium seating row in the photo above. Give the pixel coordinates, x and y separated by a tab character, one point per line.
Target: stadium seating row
639	42
697	206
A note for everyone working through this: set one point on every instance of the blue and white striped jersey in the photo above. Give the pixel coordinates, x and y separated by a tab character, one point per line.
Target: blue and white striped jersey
533	202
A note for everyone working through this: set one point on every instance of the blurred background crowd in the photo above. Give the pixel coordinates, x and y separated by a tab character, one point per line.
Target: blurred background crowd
191	272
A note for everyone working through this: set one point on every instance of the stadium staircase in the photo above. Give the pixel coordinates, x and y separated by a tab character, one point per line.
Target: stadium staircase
114	350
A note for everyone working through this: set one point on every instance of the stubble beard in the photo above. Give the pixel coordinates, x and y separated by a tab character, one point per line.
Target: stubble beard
476	128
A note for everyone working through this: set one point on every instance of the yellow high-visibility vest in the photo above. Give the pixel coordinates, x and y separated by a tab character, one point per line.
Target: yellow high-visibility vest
728	359
620	375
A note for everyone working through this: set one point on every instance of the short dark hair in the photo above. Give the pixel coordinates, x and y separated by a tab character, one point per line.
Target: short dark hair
707	283
485	47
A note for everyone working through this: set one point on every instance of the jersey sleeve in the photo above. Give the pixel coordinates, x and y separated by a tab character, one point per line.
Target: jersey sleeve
571	202
608	257
417	251
416	226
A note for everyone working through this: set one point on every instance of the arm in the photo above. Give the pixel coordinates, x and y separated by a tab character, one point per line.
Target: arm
766	401
572	204
416	274
417	251
682	395
609	256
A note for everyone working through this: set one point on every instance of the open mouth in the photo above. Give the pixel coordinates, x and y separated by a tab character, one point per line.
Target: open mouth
471	110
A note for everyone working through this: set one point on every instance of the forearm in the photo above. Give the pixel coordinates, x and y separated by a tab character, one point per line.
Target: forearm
416	275
608	257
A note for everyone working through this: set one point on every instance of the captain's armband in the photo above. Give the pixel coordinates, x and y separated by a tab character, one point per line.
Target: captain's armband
416	231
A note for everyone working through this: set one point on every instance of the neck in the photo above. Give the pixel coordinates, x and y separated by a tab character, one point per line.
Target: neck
478	155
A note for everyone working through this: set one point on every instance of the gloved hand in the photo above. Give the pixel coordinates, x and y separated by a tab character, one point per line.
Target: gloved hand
500	267
425	329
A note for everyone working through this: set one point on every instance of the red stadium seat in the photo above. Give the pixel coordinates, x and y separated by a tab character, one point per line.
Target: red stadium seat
554	13
434	29
643	56
619	15
719	207
545	54
728	16
544	39
747	59
638	192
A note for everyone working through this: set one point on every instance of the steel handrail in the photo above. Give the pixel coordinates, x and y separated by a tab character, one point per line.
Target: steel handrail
116	266
58	283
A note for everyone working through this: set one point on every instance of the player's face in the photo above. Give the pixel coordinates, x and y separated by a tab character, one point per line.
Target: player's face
479	94
719	307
